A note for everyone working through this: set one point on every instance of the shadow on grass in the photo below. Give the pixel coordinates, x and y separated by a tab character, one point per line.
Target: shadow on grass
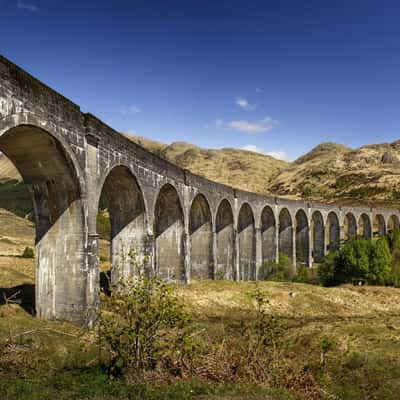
24	295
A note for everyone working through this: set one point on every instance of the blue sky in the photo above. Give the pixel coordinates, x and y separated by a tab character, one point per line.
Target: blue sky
274	76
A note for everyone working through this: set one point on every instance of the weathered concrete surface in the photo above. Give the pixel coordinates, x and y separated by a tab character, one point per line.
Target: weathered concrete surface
182	225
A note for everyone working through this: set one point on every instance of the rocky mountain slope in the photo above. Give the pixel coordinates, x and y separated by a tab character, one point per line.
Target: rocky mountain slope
329	172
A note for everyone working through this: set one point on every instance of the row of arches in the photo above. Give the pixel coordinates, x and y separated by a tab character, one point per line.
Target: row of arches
213	245
227	252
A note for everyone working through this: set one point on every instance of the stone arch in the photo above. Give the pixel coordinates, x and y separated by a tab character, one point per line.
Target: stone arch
302	238
169	235
350	226
318	236
333	232
200	230
247	243
224	228
268	234
285	233
393	223
364	226
54	179
379	227
123	198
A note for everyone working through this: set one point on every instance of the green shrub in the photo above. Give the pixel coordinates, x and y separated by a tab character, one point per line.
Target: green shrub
358	260
28	253
143	326
283	270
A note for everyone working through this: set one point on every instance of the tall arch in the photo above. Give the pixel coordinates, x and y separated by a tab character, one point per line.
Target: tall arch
224	229
364	226
200	230
285	233
379	226
169	235
52	177
302	238
393	223
318	236
268	234
350	227
333	231
247	243
124	201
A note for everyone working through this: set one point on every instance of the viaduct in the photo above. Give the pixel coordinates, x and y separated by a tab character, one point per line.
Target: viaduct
181	225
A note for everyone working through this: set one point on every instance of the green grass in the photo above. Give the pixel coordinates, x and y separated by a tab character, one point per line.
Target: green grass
50	359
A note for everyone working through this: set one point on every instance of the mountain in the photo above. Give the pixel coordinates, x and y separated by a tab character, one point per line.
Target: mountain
239	168
330	172
333	172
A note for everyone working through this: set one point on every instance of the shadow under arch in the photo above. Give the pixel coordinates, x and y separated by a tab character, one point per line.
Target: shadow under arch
332	232
247	243
201	238
379	226
302	238
268	234
52	176
350	226
285	233
169	235
364	226
318	236
393	223
224	228
122	196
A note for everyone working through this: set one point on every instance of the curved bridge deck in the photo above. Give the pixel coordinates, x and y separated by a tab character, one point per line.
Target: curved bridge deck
180	225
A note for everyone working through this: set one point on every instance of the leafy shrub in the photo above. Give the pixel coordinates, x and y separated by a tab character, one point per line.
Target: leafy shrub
283	270
28	253
357	260
143	326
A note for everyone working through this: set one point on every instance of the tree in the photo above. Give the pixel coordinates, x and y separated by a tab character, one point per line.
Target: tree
380	262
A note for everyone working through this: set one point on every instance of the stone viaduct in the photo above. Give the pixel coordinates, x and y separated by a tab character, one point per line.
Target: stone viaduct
182	225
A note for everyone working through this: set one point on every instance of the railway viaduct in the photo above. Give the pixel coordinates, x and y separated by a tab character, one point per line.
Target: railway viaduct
182	226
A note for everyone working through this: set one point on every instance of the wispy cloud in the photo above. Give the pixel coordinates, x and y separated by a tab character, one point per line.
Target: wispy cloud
27	6
129	110
259	90
244	103
259	126
278	154
217	123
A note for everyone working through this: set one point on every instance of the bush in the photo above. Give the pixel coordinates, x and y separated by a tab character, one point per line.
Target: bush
28	253
283	270
358	260
142	327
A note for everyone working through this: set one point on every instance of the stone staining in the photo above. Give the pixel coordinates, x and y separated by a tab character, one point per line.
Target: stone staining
302	238
318	237
247	244
200	230
285	233
169	235
125	204
333	232
268	235
225	242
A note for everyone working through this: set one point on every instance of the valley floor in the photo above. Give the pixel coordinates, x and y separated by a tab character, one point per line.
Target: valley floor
50	359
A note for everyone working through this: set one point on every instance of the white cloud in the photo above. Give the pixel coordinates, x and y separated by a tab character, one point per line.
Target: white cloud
278	154
264	125
217	123
25	6
128	110
244	103
259	90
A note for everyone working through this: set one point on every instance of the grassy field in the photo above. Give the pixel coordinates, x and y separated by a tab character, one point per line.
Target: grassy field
339	343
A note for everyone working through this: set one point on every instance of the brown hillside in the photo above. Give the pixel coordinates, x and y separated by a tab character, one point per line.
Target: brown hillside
329	172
